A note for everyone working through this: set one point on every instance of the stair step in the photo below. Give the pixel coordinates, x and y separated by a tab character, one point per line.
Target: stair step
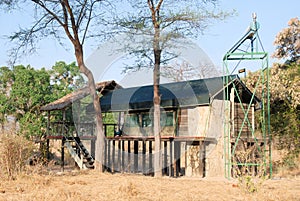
76	147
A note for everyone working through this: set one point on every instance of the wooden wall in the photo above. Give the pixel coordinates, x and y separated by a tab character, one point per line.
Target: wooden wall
240	124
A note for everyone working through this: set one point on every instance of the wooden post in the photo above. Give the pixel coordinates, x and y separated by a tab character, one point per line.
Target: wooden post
105	130
108	155
136	156
63	123
47	135
150	158
144	157
105	156
119	156
185	157
165	168
123	155
63	154
177	157
63	142
93	148
202	151
113	156
171	159
129	152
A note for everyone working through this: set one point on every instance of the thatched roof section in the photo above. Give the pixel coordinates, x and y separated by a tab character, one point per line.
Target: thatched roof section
67	100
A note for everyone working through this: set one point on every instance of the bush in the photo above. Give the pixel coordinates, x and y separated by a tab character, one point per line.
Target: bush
14	153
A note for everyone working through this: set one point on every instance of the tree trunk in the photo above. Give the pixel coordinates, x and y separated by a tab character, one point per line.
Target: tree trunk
157	156
156	101
100	138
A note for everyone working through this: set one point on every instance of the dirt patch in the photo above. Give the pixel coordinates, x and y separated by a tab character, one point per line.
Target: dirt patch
91	185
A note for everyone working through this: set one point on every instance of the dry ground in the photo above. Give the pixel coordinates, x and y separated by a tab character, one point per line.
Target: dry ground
91	185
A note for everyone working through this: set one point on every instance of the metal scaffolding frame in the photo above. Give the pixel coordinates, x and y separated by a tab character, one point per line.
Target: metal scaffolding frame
256	159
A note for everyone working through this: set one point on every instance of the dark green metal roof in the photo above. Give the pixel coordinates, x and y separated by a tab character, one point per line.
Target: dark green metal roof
173	95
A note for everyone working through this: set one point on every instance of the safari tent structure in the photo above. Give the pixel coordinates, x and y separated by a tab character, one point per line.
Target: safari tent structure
192	126
209	127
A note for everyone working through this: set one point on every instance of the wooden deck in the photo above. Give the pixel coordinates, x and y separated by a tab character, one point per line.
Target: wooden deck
136	154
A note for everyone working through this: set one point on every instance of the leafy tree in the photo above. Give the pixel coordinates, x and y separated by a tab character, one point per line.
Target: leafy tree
162	24
65	78
284	88
285	107
30	90
71	20
6	79
3	109
25	89
287	42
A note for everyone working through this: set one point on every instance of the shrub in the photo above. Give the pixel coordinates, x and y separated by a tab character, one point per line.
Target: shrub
15	151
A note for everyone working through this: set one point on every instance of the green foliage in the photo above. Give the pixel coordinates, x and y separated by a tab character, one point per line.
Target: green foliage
65	78
3	107
32	126
285	106
25	89
250	184
6	79
284	84
30	90
110	118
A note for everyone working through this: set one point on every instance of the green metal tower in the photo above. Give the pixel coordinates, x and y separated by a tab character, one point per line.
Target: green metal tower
247	142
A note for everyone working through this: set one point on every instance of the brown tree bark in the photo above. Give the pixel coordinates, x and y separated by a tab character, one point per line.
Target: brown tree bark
100	138
156	82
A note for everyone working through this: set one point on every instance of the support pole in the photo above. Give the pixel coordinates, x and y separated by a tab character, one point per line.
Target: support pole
150	158
136	156
63	154
171	174
47	135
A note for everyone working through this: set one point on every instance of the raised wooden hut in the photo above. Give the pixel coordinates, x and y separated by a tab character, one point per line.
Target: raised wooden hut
61	124
193	123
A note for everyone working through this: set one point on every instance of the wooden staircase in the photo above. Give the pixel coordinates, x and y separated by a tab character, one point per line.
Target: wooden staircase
79	153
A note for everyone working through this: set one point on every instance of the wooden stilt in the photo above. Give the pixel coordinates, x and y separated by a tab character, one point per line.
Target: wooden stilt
171	174
113	156
150	158
63	154
144	157
108	155
119	156
129	152
165	158
136	155
105	156
123	156
177	158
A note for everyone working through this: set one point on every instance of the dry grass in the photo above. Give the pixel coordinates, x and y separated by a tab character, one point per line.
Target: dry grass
91	185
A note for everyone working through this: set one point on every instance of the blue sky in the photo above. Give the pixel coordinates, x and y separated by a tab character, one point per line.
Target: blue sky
272	16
